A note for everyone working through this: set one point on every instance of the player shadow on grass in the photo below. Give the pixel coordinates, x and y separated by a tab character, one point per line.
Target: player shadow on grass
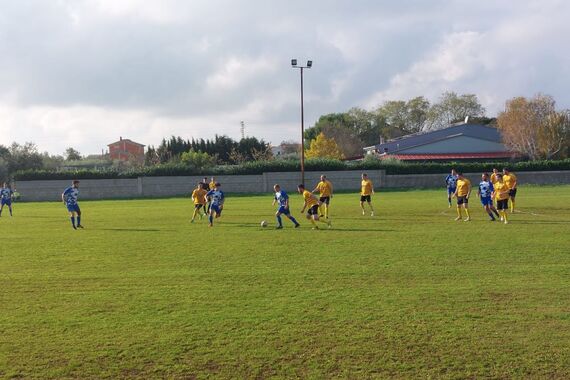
305	227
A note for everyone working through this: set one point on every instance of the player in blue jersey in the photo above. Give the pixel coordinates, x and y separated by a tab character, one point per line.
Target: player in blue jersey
216	198
484	193
69	198
282	199
6	196
451	184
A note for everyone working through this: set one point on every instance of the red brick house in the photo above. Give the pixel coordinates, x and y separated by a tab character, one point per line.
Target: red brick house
125	150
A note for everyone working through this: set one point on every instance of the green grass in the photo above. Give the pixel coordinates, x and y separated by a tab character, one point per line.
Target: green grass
410	293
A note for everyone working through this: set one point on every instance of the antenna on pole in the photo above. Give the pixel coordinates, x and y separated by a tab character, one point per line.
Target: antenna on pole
242	129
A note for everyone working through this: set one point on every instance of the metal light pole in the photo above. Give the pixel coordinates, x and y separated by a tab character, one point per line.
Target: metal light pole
309	65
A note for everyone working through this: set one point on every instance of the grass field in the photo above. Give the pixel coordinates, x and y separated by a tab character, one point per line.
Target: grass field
409	293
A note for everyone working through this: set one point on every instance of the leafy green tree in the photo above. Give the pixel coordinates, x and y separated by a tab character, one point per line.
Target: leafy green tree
72	155
453	108
198	160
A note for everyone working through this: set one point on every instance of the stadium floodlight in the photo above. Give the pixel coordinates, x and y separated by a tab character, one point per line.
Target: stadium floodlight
309	65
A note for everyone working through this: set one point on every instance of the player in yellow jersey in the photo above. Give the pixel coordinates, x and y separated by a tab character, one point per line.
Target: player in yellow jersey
325	189
366	192
312	206
212	184
501	194
462	193
199	198
511	180
494	176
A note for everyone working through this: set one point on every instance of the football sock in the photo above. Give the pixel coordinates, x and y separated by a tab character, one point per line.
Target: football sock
327	212
505	215
73	221
459	212
512	205
467	213
313	222
78	220
491	215
211	219
496	212
279	221
293	220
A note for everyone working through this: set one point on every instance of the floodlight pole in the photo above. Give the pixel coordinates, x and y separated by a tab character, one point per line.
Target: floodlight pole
309	65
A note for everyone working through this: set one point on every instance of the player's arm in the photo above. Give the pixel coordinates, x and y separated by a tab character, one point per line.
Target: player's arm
287	203
371	187
304	205
315	189
478	192
274	200
469	188
514	182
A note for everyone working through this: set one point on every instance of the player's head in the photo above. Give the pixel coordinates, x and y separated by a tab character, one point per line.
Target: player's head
276	187
213	179
484	176
495	171
364	176
200	185
460	174
217	184
323	177
205	180
5	184
453	171
499	177
75	183
506	171
301	188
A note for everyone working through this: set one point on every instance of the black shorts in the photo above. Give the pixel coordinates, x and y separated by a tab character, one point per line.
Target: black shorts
512	193
199	206
462	200
325	200
503	204
365	198
313	210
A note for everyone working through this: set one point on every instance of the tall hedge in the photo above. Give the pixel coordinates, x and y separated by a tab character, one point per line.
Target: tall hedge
259	167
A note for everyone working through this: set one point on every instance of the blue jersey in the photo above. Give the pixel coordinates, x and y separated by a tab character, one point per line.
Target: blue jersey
281	197
485	189
6	193
70	195
451	181
216	196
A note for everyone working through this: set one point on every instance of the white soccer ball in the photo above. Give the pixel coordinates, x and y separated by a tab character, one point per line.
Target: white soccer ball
263	223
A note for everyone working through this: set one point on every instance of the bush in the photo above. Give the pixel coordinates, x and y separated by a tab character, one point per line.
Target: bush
318	164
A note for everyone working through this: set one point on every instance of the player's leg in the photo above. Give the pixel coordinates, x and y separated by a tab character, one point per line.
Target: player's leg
512	195
494	209
72	217
459	207
362	199
212	215
466	208
449	193
78	212
488	209
1	207
279	219
369	200
196	210
10	208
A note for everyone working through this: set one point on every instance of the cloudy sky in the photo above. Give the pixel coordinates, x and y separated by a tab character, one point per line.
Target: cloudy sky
81	73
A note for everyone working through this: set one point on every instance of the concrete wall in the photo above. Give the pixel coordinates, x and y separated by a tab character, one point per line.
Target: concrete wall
174	186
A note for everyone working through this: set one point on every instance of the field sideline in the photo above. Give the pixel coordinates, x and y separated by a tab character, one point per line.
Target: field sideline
143	293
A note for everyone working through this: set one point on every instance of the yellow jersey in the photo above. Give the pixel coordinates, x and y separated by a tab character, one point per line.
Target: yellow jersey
366	187
325	188
494	178
212	185
310	199
199	196
501	191
511	180
463	186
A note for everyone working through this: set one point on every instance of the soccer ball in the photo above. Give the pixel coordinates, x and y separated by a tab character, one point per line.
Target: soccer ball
263	223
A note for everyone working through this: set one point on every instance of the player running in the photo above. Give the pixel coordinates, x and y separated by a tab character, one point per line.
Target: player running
484	193
501	194
6	197
216	197
199	198
366	192
282	199
325	189
462	193
511	180
69	198
311	204
451	183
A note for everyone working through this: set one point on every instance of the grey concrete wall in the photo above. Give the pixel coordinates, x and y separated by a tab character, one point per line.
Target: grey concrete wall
175	186
438	180
89	189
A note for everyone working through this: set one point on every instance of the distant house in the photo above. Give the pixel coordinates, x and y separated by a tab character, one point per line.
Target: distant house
125	150
462	141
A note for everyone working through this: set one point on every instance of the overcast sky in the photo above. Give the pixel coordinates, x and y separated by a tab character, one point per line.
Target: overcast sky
81	73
